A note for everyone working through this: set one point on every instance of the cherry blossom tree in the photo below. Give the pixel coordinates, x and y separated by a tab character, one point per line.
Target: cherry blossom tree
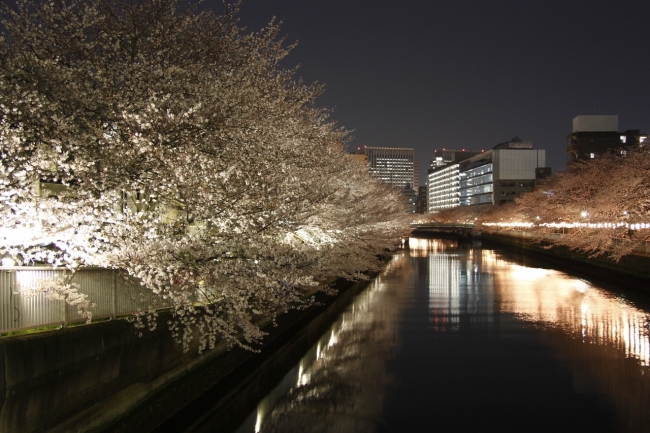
159	139
602	206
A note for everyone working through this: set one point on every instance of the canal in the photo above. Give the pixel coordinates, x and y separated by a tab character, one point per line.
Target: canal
458	337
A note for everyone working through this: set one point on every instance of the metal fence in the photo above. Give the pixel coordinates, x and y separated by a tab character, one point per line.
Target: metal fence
112	294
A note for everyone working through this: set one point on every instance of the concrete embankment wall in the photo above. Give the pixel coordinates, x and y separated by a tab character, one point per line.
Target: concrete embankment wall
86	378
46	378
635	269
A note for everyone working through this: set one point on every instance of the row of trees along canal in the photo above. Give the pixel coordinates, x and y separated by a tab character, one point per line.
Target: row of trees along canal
159	139
602	206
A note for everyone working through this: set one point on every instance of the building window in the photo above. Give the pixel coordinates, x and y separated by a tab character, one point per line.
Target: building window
592	156
623	139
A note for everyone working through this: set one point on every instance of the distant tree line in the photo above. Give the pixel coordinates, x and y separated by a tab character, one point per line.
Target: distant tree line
602	206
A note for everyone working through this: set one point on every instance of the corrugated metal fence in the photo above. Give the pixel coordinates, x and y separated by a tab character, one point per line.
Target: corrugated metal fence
112	293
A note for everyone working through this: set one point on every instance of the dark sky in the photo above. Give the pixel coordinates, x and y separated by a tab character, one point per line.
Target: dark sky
468	74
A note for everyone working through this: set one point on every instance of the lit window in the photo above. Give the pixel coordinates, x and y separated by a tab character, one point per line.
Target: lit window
591	155
623	139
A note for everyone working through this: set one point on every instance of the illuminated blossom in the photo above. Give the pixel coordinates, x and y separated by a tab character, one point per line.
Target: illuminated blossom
160	140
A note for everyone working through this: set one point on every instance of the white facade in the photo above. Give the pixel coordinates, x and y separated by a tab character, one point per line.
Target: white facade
443	187
477	184
517	163
499	175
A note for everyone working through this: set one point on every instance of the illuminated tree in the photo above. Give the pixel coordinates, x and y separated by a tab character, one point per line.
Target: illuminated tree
602	206
155	138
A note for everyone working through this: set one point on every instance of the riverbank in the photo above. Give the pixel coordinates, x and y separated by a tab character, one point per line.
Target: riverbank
103	377
182	402
632	270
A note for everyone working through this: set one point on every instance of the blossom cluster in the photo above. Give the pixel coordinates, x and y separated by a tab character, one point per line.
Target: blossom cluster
160	139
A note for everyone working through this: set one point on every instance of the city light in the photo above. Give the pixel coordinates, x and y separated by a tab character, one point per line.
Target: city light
572	225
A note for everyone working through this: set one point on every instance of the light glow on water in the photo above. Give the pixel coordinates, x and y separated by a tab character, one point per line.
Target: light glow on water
559	300
538	295
493	315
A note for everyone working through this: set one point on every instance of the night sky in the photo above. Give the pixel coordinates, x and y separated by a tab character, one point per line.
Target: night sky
468	74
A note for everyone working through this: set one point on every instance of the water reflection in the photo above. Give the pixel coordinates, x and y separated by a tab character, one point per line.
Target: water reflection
457	287
463	283
580	309
339	385
601	337
373	360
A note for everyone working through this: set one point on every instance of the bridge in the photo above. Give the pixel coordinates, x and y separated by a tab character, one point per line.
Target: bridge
462	229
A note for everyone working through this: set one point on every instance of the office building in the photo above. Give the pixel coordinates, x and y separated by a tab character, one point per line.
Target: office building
501	174
443	183
422	199
598	134
394	165
411	198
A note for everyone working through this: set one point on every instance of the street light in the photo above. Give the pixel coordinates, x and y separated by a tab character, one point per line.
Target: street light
7	260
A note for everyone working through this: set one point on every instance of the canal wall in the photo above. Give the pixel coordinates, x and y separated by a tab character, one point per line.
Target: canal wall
633	268
47	378
88	377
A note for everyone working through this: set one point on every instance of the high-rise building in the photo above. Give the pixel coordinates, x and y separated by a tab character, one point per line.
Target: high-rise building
443	178
597	134
501	174
422	199
394	165
443	186
411	198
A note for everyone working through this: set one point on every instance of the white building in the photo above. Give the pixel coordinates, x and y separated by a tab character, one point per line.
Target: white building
444	186
443	178
501	174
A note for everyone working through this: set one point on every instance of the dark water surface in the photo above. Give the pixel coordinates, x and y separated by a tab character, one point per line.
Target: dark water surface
458	338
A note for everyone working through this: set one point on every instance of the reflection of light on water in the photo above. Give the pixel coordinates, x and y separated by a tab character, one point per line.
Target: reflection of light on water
370	320
543	295
421	247
333	340
457	286
553	297
260	417
444	291
522	273
490	258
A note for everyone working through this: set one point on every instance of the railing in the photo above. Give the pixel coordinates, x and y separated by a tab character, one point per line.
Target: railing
442	226
21	307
